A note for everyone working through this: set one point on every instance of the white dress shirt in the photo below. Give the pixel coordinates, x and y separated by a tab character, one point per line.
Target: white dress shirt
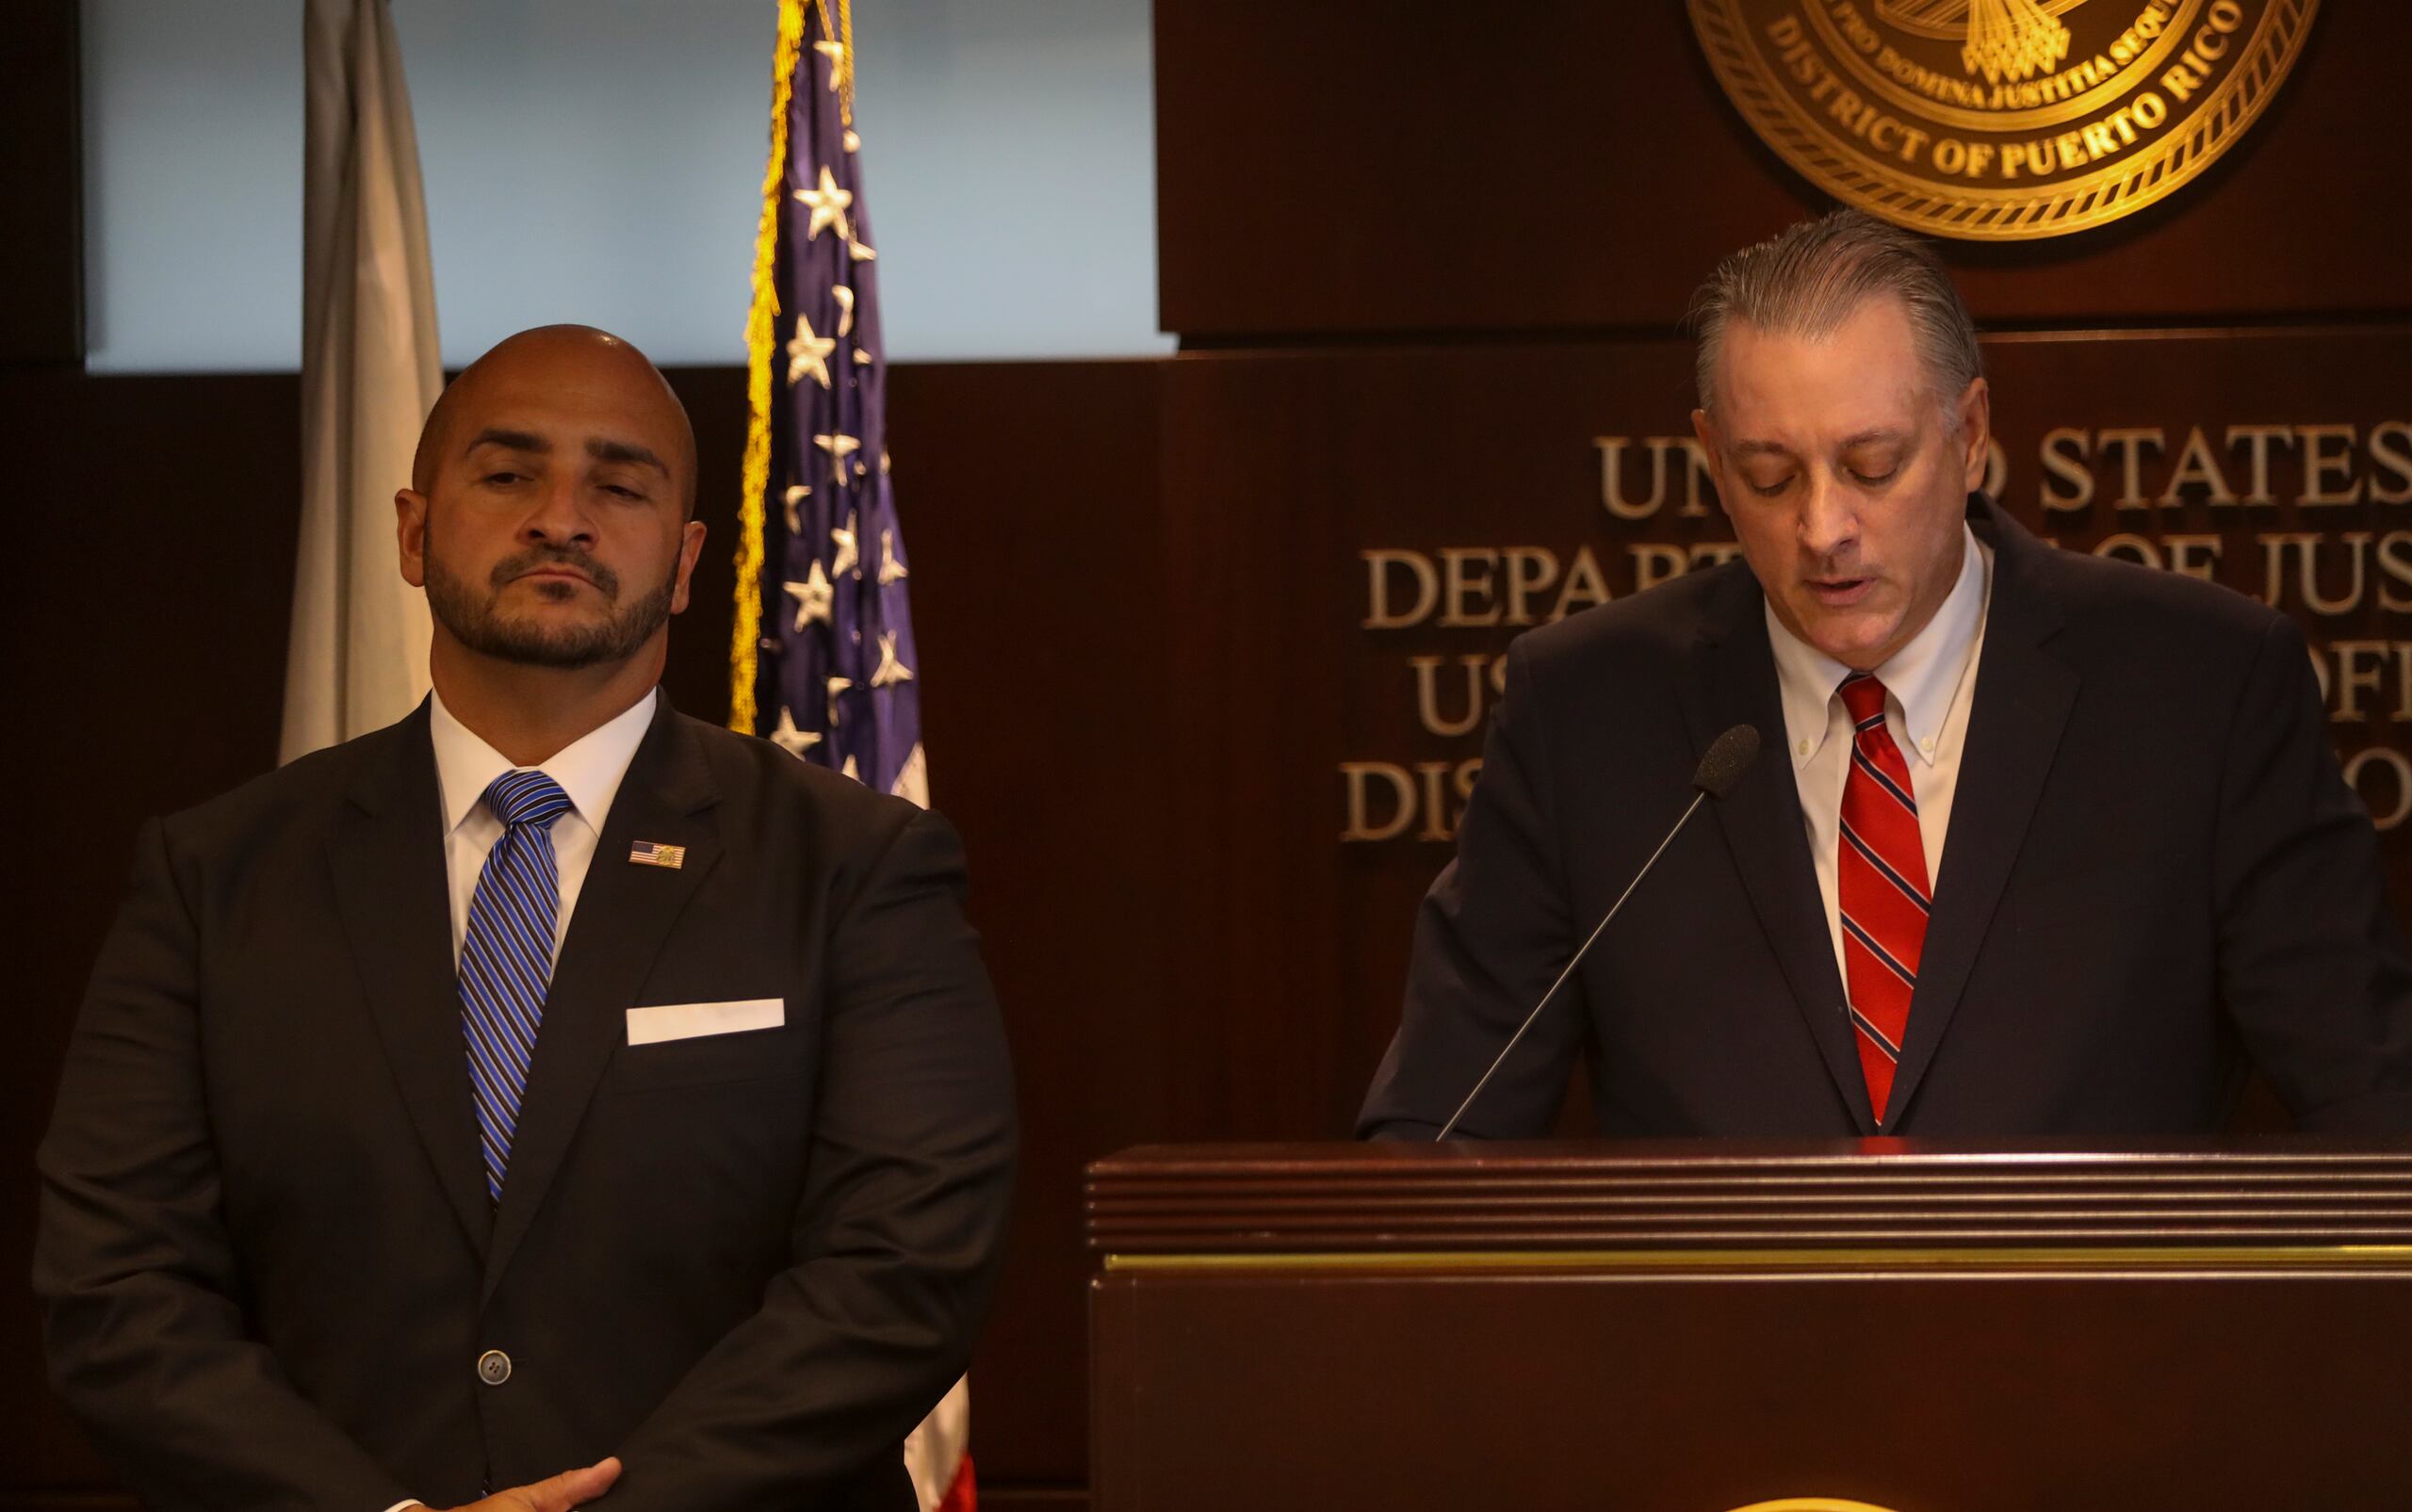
1929	685
589	770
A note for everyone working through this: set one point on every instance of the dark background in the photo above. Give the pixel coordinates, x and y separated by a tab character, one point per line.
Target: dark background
1418	256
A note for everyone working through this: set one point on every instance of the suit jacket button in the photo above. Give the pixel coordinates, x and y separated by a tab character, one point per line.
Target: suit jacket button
494	1367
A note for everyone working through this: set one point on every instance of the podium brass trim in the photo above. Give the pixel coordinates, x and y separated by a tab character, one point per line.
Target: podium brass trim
2340	1258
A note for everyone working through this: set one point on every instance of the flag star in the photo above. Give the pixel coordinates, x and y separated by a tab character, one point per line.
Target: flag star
828	204
796	496
812	597
890	567
836	54
846	557
809	353
845	298
862	358
839	448
853	143
850	769
837	686
891	670
913	778
861	250
788	737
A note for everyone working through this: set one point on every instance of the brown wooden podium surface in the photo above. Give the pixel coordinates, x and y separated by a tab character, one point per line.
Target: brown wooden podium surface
1700	1327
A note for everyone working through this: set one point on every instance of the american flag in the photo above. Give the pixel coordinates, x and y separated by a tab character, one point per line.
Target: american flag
823	660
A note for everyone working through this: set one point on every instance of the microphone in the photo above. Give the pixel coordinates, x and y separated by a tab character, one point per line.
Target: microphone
1720	767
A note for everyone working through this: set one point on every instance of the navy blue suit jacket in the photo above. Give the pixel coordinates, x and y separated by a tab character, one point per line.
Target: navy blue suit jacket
747	1263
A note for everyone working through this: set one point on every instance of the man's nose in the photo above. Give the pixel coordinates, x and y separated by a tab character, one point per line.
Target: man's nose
561	516
1829	517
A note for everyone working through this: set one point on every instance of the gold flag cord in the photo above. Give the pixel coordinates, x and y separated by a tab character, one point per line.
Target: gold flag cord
762	337
845	59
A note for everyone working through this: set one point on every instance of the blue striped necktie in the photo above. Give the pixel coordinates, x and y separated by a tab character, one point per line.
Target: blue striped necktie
507	956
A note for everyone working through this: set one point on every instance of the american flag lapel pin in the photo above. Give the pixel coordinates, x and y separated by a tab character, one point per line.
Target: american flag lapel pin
653	853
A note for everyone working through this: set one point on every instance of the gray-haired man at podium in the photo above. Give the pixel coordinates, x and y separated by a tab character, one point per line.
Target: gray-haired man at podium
2041	844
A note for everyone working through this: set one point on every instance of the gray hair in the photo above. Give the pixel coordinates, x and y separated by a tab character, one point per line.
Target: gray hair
1813	277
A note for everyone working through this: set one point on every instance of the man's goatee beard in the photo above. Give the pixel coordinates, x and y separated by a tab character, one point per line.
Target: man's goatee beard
479	624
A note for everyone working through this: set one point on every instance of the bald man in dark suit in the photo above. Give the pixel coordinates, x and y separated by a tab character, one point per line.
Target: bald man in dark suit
551	1092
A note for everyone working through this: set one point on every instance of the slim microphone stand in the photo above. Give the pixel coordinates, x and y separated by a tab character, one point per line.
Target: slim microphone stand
1698	798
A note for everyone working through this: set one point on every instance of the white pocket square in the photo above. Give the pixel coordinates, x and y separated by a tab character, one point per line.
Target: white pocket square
692	1021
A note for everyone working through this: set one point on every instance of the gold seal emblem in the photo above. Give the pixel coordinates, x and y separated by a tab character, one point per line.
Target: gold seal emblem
2001	120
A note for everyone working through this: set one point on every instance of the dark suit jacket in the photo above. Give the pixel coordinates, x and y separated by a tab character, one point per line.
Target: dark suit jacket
2154	867
747	1263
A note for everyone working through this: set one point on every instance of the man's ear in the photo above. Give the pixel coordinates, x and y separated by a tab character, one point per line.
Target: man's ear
1705	432
1976	416
410	535
691	546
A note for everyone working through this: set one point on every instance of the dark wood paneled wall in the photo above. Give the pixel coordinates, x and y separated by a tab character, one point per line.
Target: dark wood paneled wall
1355	167
42	175
145	629
1042	593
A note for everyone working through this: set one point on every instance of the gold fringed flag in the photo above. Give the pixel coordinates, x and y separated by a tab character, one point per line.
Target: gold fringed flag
823	660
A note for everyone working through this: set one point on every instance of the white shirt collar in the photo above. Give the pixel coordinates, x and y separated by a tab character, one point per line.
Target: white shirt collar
589	769
1924	676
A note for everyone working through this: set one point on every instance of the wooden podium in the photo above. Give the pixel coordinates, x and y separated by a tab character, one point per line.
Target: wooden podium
1697	1327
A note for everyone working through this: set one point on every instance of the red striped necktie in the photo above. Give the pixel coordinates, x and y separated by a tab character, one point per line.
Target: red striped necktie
1882	887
